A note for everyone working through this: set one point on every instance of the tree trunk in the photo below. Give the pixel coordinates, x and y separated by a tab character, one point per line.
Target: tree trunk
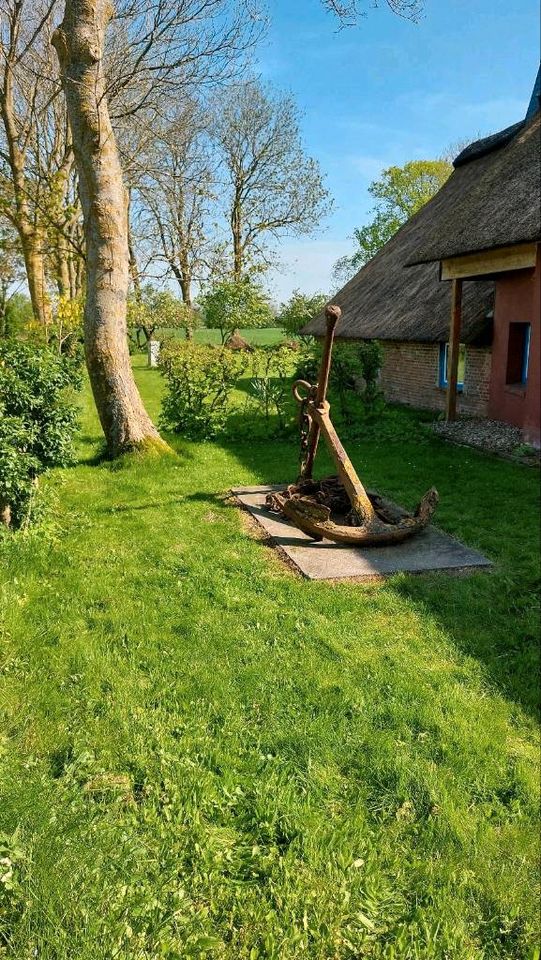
77	268
236	231
35	274
21	214
186	288
133	265
62	257
79	43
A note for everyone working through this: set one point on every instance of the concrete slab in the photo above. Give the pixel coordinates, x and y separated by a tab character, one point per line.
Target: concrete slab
428	551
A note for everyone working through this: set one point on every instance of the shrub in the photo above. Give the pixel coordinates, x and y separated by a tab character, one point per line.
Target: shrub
200	381
354	374
272	368
371	359
38	421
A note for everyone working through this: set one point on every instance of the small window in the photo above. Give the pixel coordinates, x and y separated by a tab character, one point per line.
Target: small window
444	365
518	354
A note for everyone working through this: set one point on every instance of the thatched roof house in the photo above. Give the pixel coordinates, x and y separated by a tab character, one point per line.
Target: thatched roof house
491	202
387	301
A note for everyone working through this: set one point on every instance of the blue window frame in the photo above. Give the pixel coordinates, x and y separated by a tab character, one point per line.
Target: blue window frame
444	366
518	354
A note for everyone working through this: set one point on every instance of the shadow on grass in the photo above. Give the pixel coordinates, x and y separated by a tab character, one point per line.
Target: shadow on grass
92	452
491	618
136	507
488	504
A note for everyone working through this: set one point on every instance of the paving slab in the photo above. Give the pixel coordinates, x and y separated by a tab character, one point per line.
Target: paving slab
428	551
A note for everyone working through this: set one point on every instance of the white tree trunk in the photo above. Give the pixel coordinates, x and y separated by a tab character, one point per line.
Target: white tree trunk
79	43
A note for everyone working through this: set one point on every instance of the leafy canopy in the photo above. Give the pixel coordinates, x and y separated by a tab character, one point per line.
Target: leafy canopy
234	304
299	310
399	193
151	309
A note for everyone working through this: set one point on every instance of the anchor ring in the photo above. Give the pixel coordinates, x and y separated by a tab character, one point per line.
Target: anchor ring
299	396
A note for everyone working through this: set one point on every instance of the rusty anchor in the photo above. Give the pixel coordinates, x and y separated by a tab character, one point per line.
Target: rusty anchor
339	508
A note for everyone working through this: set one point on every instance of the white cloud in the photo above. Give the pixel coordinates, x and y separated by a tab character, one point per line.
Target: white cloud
451	111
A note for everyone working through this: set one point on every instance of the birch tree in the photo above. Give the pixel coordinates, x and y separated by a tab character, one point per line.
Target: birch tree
272	187
162	46
177	193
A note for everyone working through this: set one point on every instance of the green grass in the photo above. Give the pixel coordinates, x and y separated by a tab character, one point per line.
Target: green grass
252	335
205	756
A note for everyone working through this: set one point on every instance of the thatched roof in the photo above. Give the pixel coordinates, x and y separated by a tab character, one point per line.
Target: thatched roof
236	342
492	199
387	301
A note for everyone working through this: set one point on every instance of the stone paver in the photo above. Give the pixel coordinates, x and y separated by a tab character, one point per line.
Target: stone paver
429	550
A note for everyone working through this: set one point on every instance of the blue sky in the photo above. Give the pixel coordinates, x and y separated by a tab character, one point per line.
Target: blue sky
388	91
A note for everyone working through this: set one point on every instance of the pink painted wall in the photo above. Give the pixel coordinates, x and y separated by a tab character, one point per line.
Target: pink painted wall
518	300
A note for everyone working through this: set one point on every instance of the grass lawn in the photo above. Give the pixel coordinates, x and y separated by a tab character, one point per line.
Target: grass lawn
202	755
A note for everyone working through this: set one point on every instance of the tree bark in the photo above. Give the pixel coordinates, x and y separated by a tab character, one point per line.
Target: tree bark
236	230
62	257
79	43
21	217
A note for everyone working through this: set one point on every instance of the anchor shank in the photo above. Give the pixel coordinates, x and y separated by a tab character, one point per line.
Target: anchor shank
358	496
332	315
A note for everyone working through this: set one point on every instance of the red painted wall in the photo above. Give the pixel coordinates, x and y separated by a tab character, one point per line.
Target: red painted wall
518	300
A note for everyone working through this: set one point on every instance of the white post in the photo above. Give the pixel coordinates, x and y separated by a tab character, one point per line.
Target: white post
153	353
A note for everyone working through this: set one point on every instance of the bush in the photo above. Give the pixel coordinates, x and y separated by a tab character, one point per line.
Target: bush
38	421
354	375
371	360
272	368
200	380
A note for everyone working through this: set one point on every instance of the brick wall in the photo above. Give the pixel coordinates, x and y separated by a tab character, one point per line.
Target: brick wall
410	375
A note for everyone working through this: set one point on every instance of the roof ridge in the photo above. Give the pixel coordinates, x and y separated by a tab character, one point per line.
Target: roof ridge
486	145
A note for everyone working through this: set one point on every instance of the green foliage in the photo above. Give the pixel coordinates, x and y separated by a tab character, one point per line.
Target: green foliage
271	368
234	304
13	896
152	309
299	310
18	467
354	375
400	193
371	360
38	419
17	315
200	380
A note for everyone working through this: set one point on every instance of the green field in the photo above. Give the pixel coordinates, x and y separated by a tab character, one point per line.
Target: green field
203	755
252	335
255	336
